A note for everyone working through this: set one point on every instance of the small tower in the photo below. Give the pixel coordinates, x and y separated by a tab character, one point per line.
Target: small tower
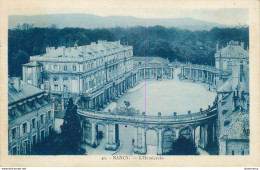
32	73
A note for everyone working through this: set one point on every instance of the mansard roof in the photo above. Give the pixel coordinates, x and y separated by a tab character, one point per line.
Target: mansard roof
19	90
100	48
238	123
233	50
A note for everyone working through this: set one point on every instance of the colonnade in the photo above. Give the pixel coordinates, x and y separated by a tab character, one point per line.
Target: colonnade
91	135
204	137
101	97
203	74
156	73
202	134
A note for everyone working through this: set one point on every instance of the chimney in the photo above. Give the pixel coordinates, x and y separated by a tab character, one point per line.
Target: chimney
217	47
17	83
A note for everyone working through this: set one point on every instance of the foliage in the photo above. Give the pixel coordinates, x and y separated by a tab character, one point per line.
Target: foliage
183	146
52	145
71	129
127	110
197	47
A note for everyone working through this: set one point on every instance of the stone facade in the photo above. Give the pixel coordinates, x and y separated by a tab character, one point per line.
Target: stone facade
78	69
233	99
30	116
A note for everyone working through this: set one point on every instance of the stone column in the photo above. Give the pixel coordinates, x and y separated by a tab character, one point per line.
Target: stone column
205	136
135	137
107	134
181	73
202	138
140	141
203	76
207	77
162	73
144	73
190	73
93	135
159	147
197	75
193	131
222	147
212	79
132	81
156	73
112	137
177	133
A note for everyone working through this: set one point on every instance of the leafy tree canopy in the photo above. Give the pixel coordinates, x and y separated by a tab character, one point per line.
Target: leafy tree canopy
197	47
183	146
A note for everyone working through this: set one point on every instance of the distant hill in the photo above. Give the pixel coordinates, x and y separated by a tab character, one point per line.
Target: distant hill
93	21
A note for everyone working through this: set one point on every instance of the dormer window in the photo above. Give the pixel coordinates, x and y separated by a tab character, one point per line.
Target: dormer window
23	106
13	133
41	118
33	123
24	128
12	112
32	103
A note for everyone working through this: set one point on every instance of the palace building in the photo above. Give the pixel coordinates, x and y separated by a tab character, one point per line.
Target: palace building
96	74
78	69
30	116
90	70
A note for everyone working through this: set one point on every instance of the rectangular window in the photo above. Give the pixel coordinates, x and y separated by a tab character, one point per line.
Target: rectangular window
55	67
65	68
74	68
42	118
50	129
14	151
65	88
13	133
42	135
55	87
34	140
33	122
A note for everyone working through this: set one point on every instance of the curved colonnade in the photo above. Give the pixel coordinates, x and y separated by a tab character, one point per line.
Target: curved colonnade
168	128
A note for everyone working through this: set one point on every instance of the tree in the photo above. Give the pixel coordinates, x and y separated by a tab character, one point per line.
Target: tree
71	129
183	146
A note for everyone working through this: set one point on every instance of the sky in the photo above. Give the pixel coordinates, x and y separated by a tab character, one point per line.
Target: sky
227	16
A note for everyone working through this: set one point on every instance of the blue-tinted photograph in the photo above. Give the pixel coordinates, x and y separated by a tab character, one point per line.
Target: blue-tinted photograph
173	82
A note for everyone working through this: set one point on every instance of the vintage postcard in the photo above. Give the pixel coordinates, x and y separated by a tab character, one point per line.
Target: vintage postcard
130	83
